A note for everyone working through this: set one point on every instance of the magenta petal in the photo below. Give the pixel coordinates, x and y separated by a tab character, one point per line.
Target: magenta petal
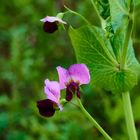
52	90
52	19
63	77
79	72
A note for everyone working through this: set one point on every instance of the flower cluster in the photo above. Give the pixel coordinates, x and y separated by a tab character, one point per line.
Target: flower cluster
69	79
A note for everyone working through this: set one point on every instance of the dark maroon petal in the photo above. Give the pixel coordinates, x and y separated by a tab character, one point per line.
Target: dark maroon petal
46	107
69	95
78	94
73	87
50	27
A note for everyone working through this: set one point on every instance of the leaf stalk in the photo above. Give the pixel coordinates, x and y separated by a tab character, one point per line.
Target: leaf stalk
93	121
129	116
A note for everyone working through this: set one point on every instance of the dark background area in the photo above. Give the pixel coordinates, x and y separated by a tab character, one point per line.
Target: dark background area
28	56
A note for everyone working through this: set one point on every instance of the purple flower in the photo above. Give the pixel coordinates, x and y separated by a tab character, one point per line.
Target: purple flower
51	23
47	107
72	78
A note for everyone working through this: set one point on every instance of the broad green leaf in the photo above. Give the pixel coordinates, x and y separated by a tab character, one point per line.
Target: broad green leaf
117	44
88	45
119	10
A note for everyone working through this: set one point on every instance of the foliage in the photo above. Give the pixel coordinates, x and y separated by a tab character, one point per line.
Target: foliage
103	54
92	48
28	56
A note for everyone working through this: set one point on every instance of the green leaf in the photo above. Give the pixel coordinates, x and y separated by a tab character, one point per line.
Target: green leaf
117	44
119	10
88	43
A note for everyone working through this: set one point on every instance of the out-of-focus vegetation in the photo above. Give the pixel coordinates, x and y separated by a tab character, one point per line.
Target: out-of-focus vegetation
28	56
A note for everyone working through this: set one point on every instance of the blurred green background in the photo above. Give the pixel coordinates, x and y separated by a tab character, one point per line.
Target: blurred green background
28	56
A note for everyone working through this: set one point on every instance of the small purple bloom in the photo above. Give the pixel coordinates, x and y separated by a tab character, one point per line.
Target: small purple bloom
51	23
72	78
47	107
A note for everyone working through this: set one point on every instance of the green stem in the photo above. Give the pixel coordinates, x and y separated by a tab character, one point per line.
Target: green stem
128	35
129	116
126	43
102	21
73	12
96	10
93	121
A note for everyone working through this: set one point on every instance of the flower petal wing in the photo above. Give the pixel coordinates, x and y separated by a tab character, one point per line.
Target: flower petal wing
52	90
50	95
52	19
63	77
79	72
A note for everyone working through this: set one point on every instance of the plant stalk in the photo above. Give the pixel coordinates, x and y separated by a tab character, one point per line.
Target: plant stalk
126	43
129	116
79	15
93	121
96	10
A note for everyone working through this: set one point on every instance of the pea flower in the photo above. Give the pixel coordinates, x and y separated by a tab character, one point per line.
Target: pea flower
48	106
72	78
51	23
